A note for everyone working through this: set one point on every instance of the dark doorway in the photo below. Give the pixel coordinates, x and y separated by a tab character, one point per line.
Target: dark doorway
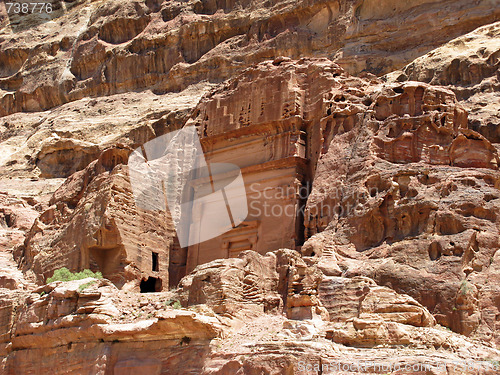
300	235
109	262
151	285
155	267
177	263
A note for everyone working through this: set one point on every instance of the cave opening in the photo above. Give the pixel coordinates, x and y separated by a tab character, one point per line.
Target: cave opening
108	261
151	285
300	230
155	267
177	262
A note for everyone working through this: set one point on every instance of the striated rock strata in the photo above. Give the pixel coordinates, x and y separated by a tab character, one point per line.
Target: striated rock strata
371	128
99	49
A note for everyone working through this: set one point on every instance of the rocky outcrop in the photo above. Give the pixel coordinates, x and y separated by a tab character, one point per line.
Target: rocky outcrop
86	316
360	297
401	185
46	144
16	218
226	330
278	112
98	200
426	124
468	65
94	223
276	282
102	49
409	190
232	285
375	121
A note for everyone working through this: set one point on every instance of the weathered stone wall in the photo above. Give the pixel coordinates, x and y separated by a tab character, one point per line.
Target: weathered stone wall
93	222
400	262
102	49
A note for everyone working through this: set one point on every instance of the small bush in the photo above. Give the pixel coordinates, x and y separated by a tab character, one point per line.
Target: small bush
464	287
85	286
63	274
173	303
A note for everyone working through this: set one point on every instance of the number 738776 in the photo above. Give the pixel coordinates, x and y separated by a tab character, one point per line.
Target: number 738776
25	8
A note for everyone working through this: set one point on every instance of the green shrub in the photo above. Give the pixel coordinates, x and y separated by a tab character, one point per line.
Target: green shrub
63	274
173	303
85	286
464	287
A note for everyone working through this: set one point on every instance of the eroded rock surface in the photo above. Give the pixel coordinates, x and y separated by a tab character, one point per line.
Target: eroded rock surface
393	253
85	316
93	223
468	65
410	191
102	48
232	318
401	223
46	144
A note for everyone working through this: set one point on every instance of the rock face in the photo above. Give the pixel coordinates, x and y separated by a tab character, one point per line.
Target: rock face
414	194
67	320
16	217
229	302
101	49
401	186
369	130
360	297
94	223
114	233
468	65
274	112
45	144
278	282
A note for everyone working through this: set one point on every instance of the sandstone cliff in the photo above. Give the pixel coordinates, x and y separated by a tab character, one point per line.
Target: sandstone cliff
385	113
